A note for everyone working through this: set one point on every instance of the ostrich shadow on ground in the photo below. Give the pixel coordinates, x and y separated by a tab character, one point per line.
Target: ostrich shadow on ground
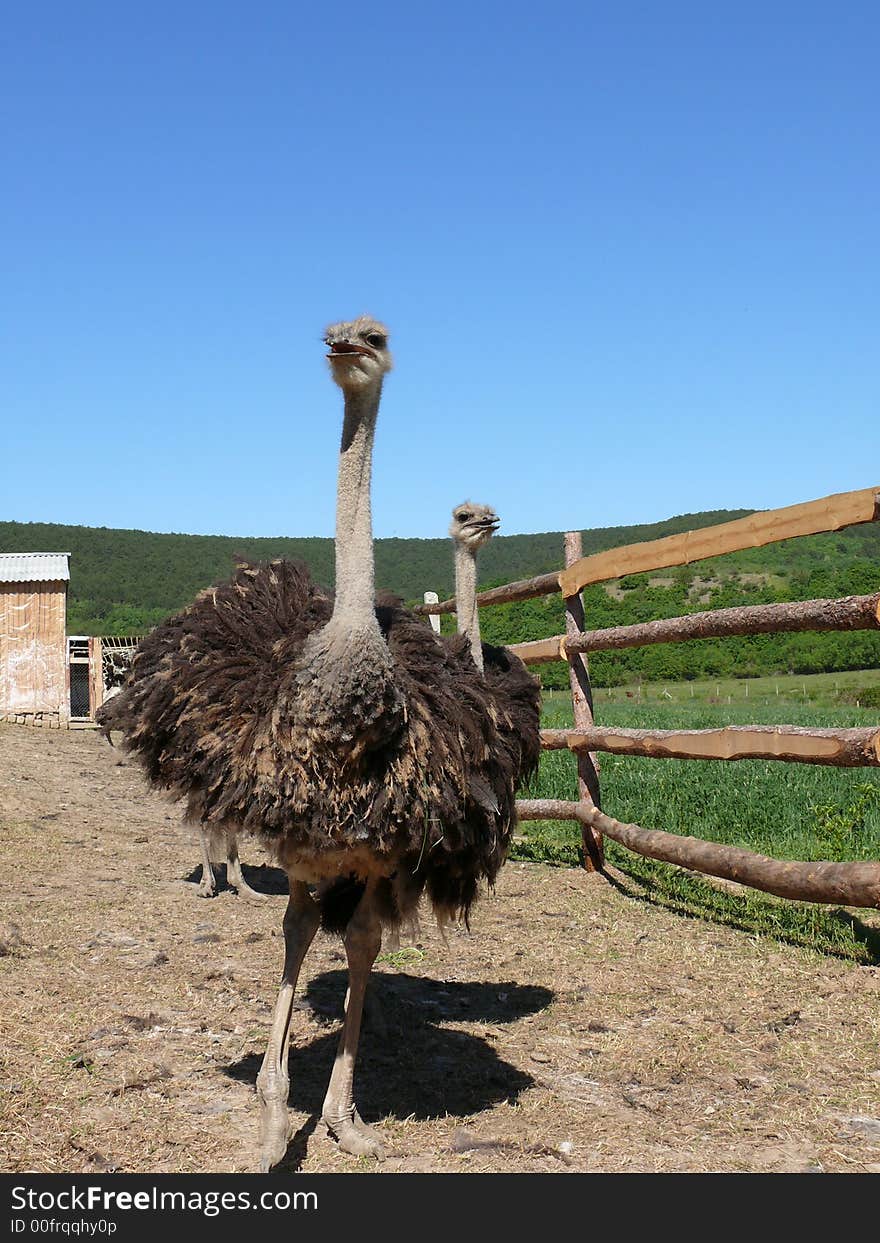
410	1065
261	877
751	912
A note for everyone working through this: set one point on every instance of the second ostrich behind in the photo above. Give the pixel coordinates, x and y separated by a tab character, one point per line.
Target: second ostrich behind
472	526
511	684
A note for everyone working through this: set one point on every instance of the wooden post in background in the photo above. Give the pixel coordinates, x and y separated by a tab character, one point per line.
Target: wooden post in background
431	597
96	675
582	703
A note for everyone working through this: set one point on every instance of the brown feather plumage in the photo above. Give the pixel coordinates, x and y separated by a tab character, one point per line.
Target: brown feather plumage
214	712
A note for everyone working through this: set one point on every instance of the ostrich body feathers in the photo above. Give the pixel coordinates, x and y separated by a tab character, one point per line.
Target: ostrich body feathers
344	760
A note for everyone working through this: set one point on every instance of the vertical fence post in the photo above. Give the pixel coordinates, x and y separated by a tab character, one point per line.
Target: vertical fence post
96	680
431	597
582	703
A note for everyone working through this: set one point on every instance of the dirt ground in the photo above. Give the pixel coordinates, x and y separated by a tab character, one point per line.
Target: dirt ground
577	1027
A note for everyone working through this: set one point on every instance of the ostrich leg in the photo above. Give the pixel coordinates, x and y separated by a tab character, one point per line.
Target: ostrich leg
301	921
234	875
363	940
207	886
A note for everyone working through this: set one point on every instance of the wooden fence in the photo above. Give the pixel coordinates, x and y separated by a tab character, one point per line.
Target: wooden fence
852	884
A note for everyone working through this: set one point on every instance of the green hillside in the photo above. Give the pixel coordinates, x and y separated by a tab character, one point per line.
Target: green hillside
122	582
134	578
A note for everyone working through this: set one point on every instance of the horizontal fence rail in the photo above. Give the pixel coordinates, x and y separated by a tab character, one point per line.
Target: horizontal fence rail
846	613
842	748
849	884
510	593
830	513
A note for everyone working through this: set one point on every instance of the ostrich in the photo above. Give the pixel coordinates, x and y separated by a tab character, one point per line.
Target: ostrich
209	841
472	527
207	886
365	751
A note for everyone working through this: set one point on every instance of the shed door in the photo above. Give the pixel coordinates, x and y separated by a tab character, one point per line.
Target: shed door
80	699
79	688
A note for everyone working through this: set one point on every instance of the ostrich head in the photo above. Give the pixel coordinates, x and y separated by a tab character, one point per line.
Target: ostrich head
472	525
358	352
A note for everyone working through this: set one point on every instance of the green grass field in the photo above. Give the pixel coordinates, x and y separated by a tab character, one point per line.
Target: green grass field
820	689
788	811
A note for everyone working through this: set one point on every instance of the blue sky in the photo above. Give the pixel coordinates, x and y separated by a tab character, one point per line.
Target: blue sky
628	254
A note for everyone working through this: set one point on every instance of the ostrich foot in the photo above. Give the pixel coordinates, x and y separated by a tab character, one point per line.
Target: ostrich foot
354	1136
243	889
206	887
235	877
274	1129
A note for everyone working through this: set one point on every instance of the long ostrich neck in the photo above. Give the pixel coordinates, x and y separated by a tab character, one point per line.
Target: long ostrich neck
466	611
355	590
347	697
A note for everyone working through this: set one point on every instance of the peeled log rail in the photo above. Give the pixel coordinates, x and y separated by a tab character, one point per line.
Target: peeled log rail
845	884
847	613
524	589
831	513
842	748
537	651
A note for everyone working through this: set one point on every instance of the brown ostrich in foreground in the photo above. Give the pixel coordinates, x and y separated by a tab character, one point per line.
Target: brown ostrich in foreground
366	752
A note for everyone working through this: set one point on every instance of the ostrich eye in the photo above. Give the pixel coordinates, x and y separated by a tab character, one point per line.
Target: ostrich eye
465	517
376	340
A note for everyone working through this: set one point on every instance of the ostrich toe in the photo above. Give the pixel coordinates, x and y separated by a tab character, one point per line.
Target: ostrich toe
274	1129
235	879
354	1136
207	887
235	876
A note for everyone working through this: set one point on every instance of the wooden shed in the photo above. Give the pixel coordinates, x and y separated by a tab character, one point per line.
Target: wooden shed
33	641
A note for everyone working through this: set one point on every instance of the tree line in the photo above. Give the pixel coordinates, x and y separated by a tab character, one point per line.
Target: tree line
124	582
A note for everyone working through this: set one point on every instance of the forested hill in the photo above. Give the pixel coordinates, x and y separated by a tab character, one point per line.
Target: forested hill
122	582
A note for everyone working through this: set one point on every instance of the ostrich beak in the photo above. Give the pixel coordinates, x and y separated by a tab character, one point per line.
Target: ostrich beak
339	349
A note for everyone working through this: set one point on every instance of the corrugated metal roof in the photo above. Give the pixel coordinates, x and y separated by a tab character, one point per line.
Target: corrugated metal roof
34	567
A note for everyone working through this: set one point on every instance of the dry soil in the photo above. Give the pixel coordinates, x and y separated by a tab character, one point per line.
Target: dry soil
577	1027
